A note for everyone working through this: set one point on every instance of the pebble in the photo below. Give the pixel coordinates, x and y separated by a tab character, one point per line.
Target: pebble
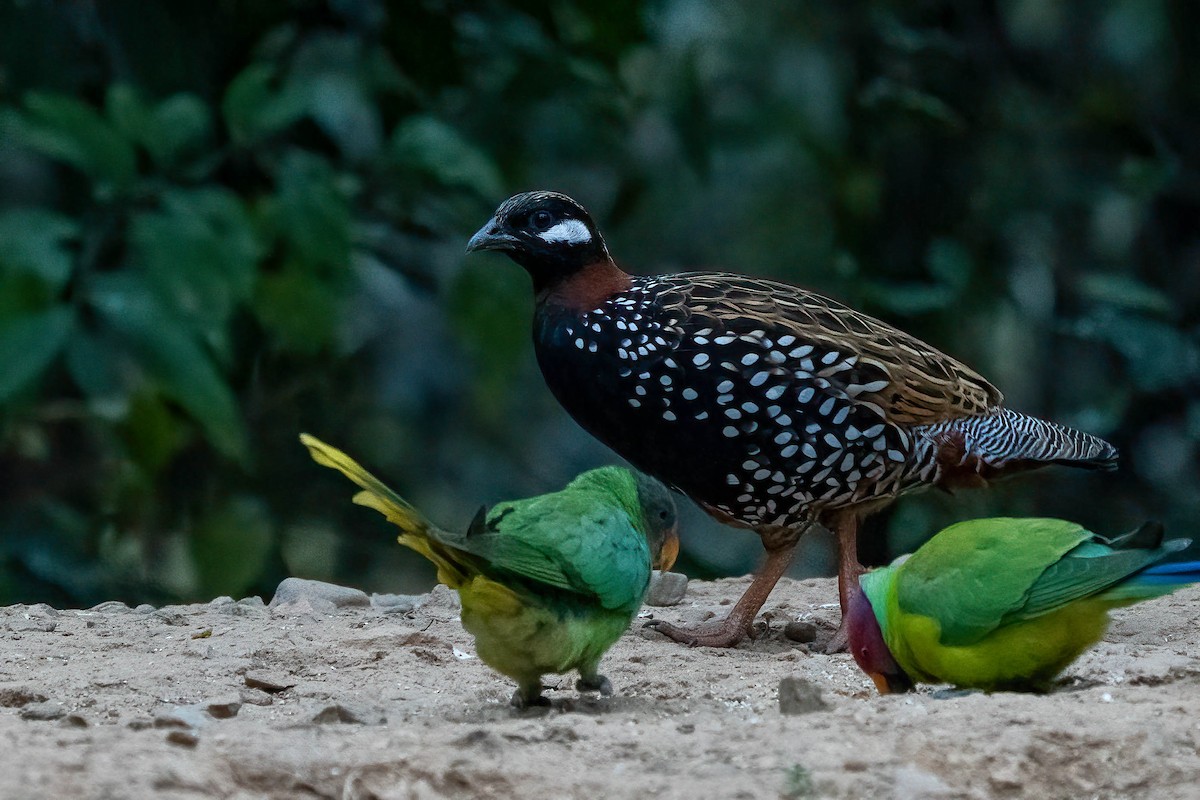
110	607
43	711
268	681
800	696
314	606
349	714
799	631
17	696
397	603
223	709
33	625
295	589
144	608
42	610
183	738
246	607
74	721
255	697
666	588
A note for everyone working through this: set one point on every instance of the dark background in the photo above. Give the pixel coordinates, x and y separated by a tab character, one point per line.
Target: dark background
222	223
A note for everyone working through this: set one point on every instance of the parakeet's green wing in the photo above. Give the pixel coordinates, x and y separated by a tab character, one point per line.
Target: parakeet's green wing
973	575
577	541
1086	570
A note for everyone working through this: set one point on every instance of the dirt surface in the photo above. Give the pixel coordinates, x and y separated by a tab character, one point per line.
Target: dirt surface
365	702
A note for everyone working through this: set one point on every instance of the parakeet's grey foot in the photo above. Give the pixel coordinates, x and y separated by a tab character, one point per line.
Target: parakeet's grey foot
521	700
951	693
596	683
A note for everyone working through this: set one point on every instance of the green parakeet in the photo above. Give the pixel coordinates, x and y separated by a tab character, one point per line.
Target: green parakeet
1003	603
548	583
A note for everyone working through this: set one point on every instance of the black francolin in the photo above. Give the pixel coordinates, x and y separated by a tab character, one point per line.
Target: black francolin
772	407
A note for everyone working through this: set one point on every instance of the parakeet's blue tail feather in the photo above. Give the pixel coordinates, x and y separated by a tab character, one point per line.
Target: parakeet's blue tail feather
1180	572
1157	580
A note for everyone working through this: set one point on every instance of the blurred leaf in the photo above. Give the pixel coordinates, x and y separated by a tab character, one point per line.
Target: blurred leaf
128	110
334	75
36	241
1157	356
182	368
28	344
908	299
950	262
487	307
298	309
152	432
313	211
230	545
181	124
98	366
254	107
427	144
887	95
1124	291
201	254
72	131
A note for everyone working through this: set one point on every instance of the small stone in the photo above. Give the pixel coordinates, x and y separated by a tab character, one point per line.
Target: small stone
799	696
74	721
18	696
223	600
397	603
268	682
799	631
183	738
33	625
255	697
43	711
144	608
253	602
295	589
110	607
223	709
140	723
349	714
666	588
315	606
42	610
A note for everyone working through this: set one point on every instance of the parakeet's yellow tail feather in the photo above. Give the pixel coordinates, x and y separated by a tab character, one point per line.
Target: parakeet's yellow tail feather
416	532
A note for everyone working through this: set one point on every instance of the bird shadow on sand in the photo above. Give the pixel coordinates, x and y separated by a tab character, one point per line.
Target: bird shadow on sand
559	706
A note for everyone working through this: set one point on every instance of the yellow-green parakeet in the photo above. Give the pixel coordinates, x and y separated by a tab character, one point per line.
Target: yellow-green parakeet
547	583
1003	603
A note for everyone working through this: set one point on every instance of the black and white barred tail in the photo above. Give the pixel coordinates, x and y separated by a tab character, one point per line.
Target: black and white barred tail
972	450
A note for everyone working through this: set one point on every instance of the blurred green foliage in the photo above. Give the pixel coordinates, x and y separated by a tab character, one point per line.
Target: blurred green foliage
223	223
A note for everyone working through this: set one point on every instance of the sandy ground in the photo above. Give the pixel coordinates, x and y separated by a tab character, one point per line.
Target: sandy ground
370	703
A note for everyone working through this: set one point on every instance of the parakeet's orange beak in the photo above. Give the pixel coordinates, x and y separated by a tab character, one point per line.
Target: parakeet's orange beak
669	551
897	683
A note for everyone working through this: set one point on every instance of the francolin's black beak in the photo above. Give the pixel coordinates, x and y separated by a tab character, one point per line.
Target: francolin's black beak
491	237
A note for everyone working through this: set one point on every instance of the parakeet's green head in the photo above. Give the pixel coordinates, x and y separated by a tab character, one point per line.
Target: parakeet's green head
869	648
649	502
658	510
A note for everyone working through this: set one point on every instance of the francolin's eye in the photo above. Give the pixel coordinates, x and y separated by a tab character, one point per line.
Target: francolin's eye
541	220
